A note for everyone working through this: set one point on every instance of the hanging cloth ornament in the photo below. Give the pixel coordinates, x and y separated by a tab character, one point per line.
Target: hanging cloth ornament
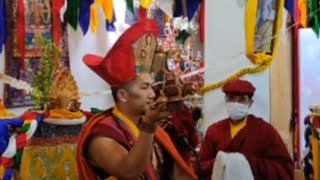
84	15
93	18
107	7
56	23
303	12
191	8
289	5
314	16
21	30
130	6
63	10
6	147
166	6
110	25
202	16
145	3
72	13
2	24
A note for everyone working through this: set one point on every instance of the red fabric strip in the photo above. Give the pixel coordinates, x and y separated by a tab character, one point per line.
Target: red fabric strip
21	141
6	162
56	24
21	30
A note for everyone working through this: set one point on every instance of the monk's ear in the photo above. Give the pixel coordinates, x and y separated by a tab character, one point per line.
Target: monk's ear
250	103
122	95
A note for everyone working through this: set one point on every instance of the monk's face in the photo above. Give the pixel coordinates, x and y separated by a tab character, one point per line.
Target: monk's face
241	99
141	95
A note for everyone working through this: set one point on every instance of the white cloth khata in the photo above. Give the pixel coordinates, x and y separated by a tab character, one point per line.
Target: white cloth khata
231	166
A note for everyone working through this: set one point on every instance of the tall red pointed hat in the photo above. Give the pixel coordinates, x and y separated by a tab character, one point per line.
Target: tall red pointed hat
130	55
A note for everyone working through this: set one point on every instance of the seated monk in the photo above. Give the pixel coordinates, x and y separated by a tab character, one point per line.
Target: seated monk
248	137
125	141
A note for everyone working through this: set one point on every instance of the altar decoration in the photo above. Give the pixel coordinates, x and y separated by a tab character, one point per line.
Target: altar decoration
42	78
49	157
177	58
176	69
4	113
14	136
63	105
311	160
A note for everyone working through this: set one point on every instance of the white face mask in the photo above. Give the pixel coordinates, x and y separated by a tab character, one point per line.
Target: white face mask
237	111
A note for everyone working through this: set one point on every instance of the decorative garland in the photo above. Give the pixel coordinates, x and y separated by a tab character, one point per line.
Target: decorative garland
11	148
241	73
262	59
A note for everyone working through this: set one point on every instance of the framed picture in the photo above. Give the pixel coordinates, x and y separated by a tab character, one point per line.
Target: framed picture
38	22
263	24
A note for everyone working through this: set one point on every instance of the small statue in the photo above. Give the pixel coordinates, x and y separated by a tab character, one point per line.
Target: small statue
64	93
171	35
172	87
175	91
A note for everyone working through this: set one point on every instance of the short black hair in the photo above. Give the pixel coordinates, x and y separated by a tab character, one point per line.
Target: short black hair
114	91
127	86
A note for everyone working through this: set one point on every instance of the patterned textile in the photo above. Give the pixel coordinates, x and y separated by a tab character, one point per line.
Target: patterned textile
37	23
50	158
50	130
14	135
311	156
51	153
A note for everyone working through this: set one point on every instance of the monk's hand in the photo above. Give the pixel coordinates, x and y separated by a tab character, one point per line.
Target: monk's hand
156	113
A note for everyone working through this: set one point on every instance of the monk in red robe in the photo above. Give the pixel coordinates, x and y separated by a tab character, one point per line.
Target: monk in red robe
251	136
125	141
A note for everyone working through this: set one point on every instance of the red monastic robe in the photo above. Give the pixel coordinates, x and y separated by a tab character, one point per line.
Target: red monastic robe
258	141
104	124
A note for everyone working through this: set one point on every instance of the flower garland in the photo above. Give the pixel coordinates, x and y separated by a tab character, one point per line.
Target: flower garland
242	72
11	148
261	59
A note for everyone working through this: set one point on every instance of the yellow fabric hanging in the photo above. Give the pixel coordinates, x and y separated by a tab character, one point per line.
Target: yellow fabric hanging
49	162
4	113
261	59
93	18
64	114
145	3
315	161
251	13
2	171
303	7
107	7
